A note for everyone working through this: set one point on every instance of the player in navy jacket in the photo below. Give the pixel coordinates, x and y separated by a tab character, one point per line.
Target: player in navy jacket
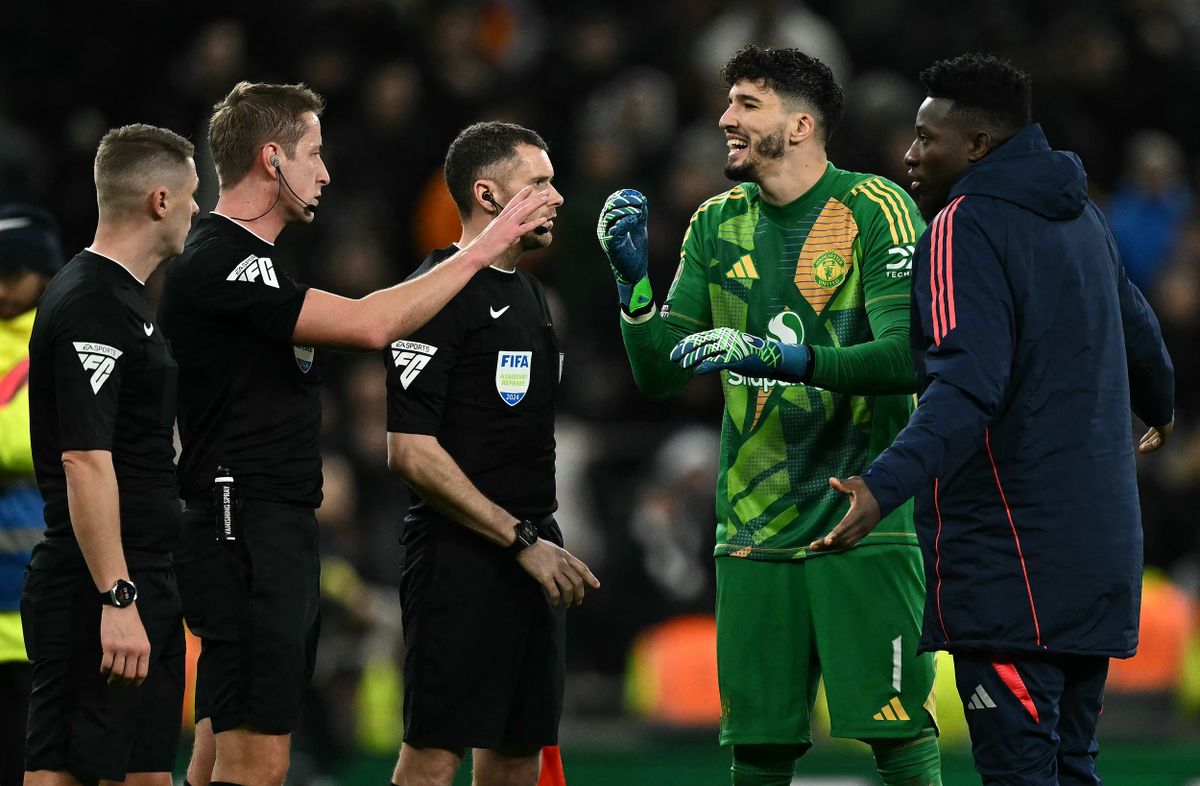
1031	347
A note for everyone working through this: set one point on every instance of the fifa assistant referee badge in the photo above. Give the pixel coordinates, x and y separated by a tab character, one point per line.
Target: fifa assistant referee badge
527	535
122	594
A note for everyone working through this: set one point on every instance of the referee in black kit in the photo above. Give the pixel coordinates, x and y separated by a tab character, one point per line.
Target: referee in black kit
245	335
471	429
99	609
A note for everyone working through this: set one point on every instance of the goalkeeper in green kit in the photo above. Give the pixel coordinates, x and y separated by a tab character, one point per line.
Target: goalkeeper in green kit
794	285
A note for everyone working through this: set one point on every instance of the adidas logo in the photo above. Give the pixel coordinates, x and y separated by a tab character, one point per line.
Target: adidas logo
100	359
743	268
892	711
412	356
980	700
254	268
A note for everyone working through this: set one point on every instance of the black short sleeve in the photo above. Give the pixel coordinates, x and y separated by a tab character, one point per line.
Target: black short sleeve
481	378
249	289
419	374
90	351
101	377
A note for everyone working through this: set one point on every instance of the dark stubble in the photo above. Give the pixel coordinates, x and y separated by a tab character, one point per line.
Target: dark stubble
770	146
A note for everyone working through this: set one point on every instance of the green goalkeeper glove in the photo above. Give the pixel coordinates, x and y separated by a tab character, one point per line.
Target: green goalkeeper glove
726	349
623	236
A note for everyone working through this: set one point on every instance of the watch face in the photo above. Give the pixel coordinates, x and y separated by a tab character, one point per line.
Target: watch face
527	533
123	593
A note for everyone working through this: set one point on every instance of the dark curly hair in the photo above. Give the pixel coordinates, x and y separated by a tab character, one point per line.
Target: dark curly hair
984	88
794	76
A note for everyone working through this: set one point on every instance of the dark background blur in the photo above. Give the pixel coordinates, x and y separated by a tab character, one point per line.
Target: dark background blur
626	95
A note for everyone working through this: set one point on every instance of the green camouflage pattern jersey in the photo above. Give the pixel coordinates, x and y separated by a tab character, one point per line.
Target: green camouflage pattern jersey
831	269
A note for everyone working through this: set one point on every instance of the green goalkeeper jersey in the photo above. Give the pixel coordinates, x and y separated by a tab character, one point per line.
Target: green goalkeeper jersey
832	270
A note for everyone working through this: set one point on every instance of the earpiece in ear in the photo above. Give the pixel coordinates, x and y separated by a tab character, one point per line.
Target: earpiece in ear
275	161
486	196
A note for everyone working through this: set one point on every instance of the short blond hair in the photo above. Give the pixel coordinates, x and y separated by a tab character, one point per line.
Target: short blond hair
130	159
252	115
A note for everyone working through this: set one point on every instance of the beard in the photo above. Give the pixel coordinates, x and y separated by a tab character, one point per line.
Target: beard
771	146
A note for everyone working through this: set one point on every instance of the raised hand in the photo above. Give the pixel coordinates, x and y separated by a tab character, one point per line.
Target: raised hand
518	218
622	231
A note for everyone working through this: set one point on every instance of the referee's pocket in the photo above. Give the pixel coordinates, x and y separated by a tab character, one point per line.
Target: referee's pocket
237	555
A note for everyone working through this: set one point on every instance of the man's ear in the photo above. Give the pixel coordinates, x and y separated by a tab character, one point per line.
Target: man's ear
158	202
982	143
804	125
485	198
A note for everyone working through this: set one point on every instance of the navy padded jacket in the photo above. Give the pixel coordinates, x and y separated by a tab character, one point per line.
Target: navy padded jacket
1031	347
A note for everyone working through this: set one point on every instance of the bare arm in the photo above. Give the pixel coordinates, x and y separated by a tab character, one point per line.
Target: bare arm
432	472
373	321
96	520
427	467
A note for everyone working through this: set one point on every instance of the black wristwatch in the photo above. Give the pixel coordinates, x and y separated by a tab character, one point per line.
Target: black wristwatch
122	594
527	535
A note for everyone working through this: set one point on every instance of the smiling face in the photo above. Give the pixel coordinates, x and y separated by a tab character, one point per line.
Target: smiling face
756	131
944	146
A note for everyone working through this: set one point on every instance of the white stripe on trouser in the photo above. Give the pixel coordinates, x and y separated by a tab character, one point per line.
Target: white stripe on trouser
897	643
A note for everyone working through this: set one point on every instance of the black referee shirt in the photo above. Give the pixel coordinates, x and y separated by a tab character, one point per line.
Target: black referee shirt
101	377
481	376
249	400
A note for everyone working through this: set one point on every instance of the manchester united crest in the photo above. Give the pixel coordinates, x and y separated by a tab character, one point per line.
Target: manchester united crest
829	270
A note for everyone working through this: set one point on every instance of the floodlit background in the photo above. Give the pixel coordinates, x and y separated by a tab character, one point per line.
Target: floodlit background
627	95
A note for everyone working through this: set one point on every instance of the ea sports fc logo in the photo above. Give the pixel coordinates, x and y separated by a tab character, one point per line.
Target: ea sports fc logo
829	270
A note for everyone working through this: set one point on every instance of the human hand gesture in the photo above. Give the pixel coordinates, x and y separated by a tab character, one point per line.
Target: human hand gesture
858	521
622	231
1155	438
562	575
515	220
728	349
125	646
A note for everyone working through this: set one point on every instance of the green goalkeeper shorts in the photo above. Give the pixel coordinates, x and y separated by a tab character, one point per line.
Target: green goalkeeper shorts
853	618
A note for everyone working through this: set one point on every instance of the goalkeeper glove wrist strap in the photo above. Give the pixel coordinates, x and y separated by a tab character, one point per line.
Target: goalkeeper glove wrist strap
795	363
635	298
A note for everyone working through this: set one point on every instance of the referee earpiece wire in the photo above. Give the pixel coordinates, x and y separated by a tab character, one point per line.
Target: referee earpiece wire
278	192
486	196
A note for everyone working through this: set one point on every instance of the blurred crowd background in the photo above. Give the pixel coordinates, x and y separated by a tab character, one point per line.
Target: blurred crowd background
626	95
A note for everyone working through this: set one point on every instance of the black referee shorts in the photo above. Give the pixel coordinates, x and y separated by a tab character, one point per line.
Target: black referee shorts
484	649
77	722
254	604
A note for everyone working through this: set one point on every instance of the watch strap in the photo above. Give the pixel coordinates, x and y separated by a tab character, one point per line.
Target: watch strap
120	588
526	535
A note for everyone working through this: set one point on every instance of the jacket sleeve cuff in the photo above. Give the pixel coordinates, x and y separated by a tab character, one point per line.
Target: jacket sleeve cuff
885	487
